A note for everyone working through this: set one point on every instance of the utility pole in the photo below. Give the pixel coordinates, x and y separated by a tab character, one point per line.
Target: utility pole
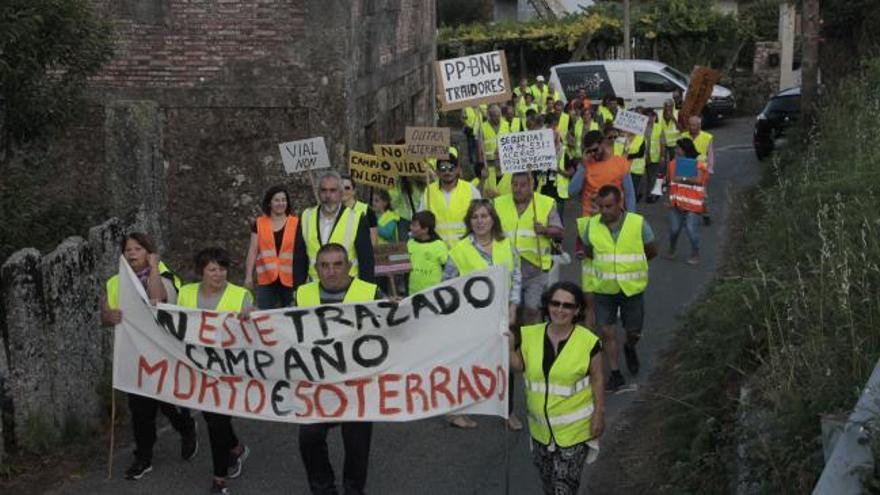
810	60
627	41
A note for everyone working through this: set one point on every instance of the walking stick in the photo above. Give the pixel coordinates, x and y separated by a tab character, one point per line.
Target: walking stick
112	431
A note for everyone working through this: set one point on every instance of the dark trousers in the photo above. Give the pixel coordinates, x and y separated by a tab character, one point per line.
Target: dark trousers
274	295
510	393
223	440
143	422
313	449
637	185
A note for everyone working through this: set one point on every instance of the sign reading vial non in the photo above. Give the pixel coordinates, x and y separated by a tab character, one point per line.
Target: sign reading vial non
472	80
633	122
304	155
527	151
428	142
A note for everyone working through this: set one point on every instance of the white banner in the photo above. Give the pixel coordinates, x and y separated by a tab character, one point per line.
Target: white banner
304	155
633	122
439	351
527	151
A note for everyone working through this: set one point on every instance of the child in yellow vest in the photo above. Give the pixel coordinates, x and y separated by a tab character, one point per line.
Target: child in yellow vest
428	253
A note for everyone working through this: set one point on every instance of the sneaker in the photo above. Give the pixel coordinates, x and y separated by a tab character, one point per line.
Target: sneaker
670	254
707	220
615	381
632	359
693	260
219	488
138	469
238	462
189	445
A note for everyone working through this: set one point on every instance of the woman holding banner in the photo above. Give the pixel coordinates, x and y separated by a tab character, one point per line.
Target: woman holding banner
561	362
271	250
484	245
215	293
161	286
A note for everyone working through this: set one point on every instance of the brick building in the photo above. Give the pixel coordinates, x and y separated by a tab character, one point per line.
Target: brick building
219	83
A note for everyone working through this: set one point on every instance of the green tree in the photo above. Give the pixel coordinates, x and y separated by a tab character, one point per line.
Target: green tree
48	49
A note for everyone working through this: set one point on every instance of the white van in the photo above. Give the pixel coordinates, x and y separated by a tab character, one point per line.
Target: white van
641	83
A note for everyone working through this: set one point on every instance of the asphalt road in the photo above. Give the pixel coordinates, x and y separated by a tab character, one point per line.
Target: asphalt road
429	457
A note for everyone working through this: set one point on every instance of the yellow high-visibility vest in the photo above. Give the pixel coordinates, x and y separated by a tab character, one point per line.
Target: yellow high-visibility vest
359	291
344	233
521	228
619	265
560	404
233	299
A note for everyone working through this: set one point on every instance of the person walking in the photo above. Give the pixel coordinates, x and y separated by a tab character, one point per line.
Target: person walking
686	201
270	251
484	245
335	285
427	252
561	362
600	167
448	199
704	143
620	244
215	293
329	222
140	253
350	200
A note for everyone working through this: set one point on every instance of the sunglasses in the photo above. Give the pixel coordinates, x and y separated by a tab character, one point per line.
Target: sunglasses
445	168
564	305
593	150
347	188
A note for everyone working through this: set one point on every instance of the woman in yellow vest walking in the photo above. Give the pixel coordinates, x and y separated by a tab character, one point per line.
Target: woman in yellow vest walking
561	362
484	245
161	286
271	250
215	293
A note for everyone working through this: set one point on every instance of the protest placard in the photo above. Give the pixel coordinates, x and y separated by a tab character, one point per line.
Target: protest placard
527	151
304	155
440	351
702	82
633	122
428	142
367	169
472	80
391	259
395	155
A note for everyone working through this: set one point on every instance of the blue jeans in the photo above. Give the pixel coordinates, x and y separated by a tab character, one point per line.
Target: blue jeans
688	220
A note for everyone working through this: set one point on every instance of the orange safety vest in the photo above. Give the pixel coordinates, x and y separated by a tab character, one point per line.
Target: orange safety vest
272	264
598	174
688	197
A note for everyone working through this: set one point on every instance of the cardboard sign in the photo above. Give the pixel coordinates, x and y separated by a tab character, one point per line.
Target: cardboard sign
368	170
633	122
391	259
702	82
428	142
472	80
304	155
527	151
395	155
437	352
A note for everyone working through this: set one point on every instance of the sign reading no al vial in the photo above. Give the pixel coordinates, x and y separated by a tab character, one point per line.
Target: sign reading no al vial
304	155
527	151
472	80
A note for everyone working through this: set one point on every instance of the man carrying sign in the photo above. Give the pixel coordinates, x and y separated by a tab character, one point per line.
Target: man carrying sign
448	199
330	222
335	285
530	220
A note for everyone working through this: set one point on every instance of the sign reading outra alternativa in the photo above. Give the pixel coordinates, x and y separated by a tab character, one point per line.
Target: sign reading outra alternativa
440	351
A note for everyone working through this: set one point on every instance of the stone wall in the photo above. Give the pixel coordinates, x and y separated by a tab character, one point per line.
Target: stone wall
56	358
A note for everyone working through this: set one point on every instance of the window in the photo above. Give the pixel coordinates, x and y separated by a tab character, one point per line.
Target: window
591	78
651	82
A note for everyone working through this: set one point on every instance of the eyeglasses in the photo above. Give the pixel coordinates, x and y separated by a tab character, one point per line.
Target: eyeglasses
564	305
347	188
446	167
593	150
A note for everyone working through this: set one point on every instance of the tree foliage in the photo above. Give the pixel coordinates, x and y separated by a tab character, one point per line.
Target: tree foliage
48	49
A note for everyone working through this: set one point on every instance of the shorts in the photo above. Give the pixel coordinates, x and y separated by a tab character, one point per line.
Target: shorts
533	288
631	308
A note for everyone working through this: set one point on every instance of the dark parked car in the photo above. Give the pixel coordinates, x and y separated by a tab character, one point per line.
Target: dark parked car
781	111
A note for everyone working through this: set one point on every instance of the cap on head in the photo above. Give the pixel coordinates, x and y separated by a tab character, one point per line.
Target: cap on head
540	79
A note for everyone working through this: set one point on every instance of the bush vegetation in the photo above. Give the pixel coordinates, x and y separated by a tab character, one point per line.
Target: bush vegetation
794	322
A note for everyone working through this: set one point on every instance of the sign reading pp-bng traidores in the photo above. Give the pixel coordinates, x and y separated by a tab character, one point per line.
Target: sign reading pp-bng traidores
472	80
438	351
